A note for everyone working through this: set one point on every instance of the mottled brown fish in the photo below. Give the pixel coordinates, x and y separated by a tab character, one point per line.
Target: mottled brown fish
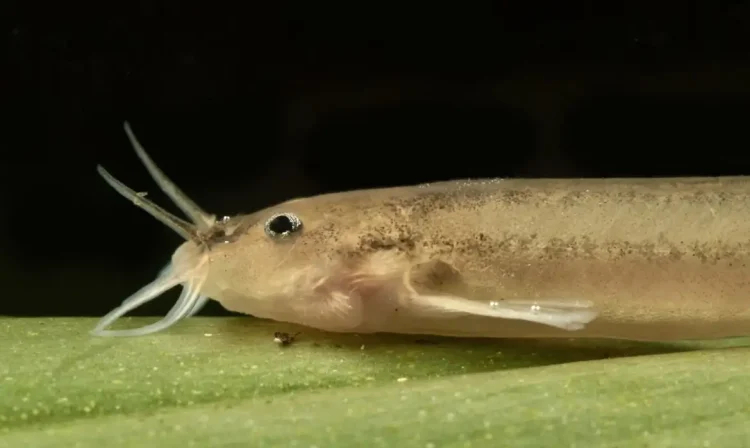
643	259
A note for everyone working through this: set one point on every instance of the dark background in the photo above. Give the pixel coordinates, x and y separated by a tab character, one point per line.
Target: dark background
244	105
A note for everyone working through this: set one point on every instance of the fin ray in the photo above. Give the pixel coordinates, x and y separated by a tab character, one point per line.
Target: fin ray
567	315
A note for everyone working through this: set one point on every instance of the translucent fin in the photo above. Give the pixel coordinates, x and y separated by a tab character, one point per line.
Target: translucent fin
183	228
567	315
200	218
563	304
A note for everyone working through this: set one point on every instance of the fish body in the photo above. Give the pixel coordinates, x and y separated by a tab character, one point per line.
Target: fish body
656	259
641	259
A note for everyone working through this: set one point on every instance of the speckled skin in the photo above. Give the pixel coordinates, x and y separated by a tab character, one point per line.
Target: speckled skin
661	259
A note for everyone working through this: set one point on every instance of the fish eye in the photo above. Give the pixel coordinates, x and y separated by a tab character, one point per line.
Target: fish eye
282	224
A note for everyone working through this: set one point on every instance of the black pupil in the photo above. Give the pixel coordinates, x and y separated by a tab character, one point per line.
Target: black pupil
281	224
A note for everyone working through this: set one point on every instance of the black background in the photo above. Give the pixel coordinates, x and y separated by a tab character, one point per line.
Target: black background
244	105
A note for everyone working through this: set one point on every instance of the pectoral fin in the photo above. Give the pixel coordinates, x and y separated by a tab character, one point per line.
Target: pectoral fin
439	287
565	314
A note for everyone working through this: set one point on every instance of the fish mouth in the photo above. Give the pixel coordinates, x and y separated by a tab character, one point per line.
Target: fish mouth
188	268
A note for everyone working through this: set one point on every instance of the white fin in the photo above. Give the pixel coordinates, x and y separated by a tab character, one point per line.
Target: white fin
560	313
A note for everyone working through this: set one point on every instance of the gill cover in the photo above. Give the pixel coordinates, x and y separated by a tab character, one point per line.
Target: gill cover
189	267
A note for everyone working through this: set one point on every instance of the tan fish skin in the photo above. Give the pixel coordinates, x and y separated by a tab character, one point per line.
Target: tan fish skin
660	259
642	259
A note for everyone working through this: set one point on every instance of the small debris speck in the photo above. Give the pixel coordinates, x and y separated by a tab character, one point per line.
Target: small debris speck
284	339
208	335
363	347
402	379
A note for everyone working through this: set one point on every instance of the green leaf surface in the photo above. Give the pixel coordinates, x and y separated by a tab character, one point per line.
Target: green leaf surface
214	382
